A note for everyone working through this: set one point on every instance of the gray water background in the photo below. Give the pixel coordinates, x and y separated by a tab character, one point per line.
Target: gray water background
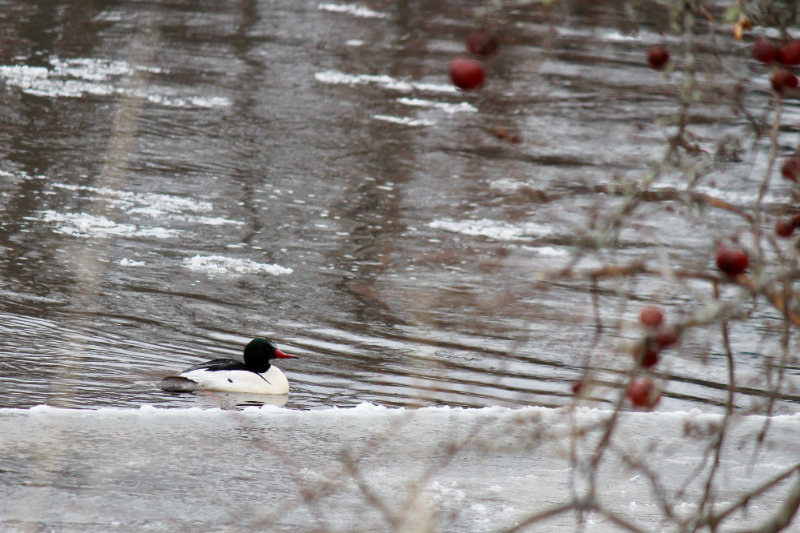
178	177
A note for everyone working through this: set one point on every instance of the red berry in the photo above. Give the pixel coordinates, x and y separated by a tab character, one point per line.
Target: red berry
784	228
764	51
732	261
643	392
646	354
789	53
657	57
789	169
796	220
651	316
783	79
666	337
482	43
577	387
466	74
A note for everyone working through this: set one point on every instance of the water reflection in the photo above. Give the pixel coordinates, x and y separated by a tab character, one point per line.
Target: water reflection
307	173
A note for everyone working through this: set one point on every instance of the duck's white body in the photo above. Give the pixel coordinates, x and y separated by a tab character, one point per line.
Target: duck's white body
273	381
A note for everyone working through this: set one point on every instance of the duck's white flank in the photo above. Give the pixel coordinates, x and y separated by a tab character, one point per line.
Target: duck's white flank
273	381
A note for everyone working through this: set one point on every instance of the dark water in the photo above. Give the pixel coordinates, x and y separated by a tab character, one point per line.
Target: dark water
177	177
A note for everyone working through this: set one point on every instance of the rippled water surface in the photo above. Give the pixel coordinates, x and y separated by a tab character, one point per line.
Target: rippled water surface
178	177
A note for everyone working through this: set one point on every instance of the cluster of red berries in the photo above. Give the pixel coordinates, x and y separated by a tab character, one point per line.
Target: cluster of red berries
659	337
643	392
467	73
787	55
782	78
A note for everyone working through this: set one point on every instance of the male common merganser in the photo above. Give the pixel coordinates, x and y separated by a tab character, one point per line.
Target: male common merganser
254	375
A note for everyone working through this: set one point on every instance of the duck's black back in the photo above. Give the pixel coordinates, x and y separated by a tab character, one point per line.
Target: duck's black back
219	364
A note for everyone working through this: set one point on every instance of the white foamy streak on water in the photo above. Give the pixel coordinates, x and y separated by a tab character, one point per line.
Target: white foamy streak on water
86	225
219	264
449	469
461	107
352	9
125	262
74	78
152	205
405	121
335	77
126	200
507	185
387	82
550	251
492	229
742	198
616	36
189	101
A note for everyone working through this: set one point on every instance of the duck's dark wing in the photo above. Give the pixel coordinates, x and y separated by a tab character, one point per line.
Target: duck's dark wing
178	384
219	364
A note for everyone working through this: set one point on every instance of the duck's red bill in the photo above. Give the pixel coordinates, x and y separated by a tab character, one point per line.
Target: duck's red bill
280	355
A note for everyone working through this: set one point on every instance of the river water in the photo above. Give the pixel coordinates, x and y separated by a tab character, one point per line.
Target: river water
178	177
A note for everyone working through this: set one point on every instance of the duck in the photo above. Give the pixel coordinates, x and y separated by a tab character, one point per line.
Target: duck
254	375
